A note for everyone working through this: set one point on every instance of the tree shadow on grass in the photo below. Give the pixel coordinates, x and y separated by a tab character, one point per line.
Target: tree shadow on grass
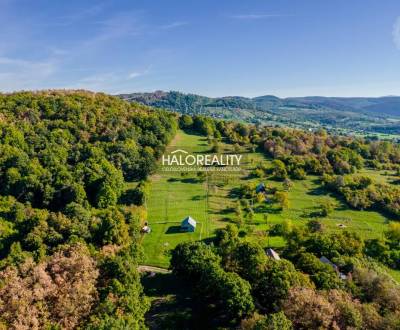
319	191
267	208
174	230
160	284
190	180
184	180
208	240
234	193
341	203
172	304
312	212
250	176
227	210
395	181
198	197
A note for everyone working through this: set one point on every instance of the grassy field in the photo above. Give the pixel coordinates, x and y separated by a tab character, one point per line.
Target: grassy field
171	200
212	204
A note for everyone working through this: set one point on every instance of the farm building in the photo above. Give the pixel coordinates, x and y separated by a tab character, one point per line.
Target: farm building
188	224
325	260
260	188
335	267
272	254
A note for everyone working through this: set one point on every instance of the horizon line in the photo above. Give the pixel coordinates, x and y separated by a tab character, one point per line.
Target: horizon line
188	93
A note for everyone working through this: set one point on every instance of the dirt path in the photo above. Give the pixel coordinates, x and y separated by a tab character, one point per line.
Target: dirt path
144	268
176	138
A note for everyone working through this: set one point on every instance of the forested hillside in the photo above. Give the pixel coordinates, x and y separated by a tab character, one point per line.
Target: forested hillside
75	170
346	115
68	238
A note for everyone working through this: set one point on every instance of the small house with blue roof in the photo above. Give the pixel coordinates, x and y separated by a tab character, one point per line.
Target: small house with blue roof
188	224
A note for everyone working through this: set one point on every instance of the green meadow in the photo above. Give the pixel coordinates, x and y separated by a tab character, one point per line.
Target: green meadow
211	202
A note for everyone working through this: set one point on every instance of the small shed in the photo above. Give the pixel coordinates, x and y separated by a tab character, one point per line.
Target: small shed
146	229
188	224
260	188
272	254
325	260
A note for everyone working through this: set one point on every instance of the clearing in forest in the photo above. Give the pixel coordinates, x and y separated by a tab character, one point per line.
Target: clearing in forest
211	201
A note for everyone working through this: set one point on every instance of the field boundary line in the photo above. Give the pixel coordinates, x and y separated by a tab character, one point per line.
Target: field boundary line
201	230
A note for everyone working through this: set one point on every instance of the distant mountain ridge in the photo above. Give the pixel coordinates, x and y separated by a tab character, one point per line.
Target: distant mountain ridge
388	105
364	114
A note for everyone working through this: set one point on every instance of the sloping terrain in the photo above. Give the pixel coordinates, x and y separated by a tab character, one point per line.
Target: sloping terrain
355	115
212	203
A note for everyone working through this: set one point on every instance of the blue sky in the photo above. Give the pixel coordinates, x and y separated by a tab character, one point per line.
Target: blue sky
214	48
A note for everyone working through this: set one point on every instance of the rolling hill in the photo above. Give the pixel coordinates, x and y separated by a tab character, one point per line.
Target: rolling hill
355	115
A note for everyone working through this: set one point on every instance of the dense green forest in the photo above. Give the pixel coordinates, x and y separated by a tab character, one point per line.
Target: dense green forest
73	186
234	283
69	238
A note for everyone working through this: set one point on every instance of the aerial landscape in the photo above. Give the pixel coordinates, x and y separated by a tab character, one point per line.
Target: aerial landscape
153	175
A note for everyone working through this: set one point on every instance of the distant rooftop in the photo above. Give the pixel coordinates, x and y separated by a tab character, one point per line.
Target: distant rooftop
271	253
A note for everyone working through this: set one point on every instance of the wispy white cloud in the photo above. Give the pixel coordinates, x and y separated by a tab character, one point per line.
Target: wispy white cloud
173	25
134	75
255	16
68	63
96	81
101	78
122	25
396	33
55	51
128	25
85	14
16	73
45	67
108	81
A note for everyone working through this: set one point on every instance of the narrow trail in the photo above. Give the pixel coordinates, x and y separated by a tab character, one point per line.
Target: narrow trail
145	268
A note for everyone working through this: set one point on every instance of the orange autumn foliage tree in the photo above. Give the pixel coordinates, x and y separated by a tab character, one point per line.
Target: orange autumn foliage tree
58	292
